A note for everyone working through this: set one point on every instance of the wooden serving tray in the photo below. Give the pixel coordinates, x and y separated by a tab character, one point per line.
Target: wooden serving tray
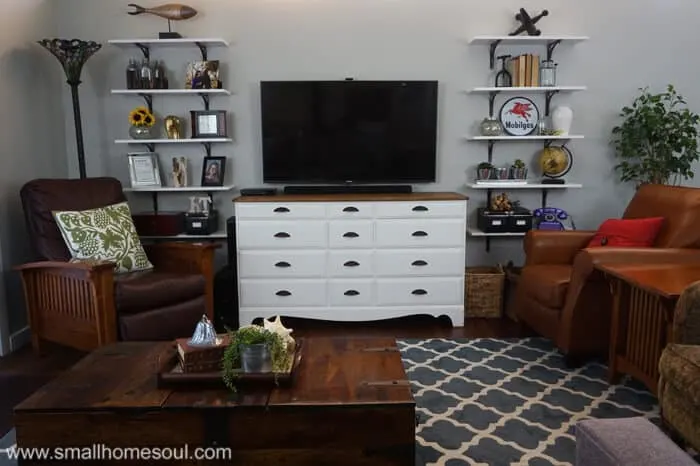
170	375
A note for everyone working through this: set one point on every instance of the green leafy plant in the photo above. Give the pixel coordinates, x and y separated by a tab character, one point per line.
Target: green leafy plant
658	140
518	164
252	335
484	166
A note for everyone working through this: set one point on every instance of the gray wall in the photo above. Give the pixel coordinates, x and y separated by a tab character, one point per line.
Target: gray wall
32	141
633	44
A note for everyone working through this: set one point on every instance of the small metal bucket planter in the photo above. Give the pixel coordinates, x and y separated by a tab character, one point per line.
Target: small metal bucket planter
518	173
484	173
256	358
501	173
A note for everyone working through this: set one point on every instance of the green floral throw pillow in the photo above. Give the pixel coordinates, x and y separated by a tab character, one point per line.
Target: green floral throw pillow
106	233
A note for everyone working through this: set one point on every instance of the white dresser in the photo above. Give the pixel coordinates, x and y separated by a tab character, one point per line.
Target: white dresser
356	257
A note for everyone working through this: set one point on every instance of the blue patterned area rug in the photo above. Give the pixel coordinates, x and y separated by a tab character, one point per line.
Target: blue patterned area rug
508	402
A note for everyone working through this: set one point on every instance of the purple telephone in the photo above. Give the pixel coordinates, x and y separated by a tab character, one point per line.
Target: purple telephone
552	218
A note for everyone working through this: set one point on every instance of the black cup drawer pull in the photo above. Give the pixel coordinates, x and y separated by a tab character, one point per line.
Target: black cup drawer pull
351	209
419	292
283	293
419	233
420	208
283	264
281	210
351	234
351	293
351	264
419	263
282	234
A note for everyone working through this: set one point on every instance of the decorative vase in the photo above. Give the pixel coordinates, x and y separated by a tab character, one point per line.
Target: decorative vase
491	127
561	120
256	358
140	132
173	127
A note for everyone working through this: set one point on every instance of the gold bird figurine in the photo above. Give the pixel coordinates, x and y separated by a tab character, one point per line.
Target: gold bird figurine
169	11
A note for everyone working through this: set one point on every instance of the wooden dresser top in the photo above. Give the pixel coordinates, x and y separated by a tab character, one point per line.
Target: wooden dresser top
354	197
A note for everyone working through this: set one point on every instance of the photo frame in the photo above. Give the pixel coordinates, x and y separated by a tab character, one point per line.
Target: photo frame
208	123
213	171
144	170
203	75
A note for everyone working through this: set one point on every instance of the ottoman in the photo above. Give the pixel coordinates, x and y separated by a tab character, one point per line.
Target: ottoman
630	441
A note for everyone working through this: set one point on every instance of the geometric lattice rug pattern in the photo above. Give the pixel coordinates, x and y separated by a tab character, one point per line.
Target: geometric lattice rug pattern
508	402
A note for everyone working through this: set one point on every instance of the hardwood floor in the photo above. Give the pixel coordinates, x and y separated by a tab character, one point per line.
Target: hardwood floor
22	373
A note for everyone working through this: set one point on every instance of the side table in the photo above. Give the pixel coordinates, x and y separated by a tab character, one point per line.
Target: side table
644	298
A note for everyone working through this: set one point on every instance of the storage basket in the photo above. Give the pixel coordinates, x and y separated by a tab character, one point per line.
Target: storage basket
483	287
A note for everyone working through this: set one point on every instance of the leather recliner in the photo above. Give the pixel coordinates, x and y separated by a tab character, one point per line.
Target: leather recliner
561	295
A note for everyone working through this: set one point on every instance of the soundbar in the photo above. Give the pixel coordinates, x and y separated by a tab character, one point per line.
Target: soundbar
349	188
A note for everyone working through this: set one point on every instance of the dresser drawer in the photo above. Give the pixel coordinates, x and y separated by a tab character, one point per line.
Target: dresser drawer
350	292
350	210
344	234
351	263
279	210
408	262
274	234
297	264
420	291
420	233
429	209
283	293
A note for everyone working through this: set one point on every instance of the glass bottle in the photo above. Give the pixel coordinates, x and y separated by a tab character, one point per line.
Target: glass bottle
548	73
503	77
163	77
132	74
156	71
146	76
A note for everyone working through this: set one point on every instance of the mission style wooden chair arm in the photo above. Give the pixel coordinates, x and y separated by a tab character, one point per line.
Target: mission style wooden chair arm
70	301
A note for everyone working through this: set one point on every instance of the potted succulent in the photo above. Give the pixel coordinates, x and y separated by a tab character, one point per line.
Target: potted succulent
657	142
518	171
484	171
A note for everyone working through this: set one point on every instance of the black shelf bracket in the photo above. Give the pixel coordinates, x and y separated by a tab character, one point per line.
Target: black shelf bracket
203	50
488	244
148	98
145	50
490	150
205	100
154	197
550	48
548	101
492	98
207	148
544	197
151	147
492	53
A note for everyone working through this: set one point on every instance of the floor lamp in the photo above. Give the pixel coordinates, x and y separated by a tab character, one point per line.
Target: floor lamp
73	53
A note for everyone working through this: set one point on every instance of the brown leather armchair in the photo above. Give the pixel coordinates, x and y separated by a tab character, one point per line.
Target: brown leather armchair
560	294
85	305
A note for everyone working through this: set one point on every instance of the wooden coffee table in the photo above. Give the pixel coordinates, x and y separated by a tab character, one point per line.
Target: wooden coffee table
644	298
351	404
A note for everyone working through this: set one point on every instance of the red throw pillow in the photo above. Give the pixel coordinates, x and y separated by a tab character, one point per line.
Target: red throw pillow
627	233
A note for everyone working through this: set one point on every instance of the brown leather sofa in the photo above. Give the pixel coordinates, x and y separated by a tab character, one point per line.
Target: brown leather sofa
87	305
562	297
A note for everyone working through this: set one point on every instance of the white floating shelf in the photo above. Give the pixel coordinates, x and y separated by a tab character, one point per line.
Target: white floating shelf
215	42
486	40
187	189
533	89
172	141
506	185
477	232
522	138
171	91
221	234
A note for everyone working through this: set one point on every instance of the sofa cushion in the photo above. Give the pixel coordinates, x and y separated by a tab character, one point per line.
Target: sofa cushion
105	234
546	283
143	291
680	366
627	233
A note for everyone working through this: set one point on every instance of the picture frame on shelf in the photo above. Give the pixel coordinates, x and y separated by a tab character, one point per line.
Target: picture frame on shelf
213	171
203	74
144	170
208	123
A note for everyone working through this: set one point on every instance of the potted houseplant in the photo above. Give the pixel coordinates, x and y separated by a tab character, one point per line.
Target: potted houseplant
657	142
484	171
518	170
141	121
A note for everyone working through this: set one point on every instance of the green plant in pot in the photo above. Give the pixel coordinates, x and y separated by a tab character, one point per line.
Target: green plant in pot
484	171
254	349
518	171
657	142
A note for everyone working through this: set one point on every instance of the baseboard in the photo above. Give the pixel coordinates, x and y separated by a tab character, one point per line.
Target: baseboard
20	338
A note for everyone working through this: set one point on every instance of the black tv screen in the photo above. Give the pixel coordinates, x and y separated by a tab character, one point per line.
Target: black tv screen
349	131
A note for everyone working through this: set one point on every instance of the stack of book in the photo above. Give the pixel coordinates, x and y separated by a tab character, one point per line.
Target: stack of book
525	70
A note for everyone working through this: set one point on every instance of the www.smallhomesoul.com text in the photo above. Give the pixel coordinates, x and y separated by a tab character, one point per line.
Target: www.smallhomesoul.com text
106	453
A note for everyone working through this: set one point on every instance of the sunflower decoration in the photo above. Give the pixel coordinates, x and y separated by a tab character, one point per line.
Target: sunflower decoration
141	116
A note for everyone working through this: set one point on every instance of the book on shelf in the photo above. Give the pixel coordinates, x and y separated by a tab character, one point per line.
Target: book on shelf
525	70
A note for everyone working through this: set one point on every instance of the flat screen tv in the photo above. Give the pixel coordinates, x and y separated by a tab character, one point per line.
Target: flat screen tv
330	132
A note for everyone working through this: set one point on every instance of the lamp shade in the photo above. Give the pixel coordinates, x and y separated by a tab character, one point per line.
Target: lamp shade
72	53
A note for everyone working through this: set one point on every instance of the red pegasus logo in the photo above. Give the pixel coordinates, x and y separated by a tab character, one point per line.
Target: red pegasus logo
522	110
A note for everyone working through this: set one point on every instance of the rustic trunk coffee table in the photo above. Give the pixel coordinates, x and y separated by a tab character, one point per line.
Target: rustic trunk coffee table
350	404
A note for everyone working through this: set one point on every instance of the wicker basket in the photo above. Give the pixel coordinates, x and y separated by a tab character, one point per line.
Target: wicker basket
484	291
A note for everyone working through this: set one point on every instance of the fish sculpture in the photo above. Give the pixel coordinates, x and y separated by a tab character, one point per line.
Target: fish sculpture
169	11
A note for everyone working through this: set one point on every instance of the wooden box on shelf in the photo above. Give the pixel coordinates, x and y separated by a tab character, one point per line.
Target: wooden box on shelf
195	359
159	223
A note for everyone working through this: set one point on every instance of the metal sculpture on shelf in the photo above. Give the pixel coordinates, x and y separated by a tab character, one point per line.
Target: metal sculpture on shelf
527	23
169	11
73	54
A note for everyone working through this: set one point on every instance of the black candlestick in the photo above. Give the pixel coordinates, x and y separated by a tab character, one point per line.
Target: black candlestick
73	53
